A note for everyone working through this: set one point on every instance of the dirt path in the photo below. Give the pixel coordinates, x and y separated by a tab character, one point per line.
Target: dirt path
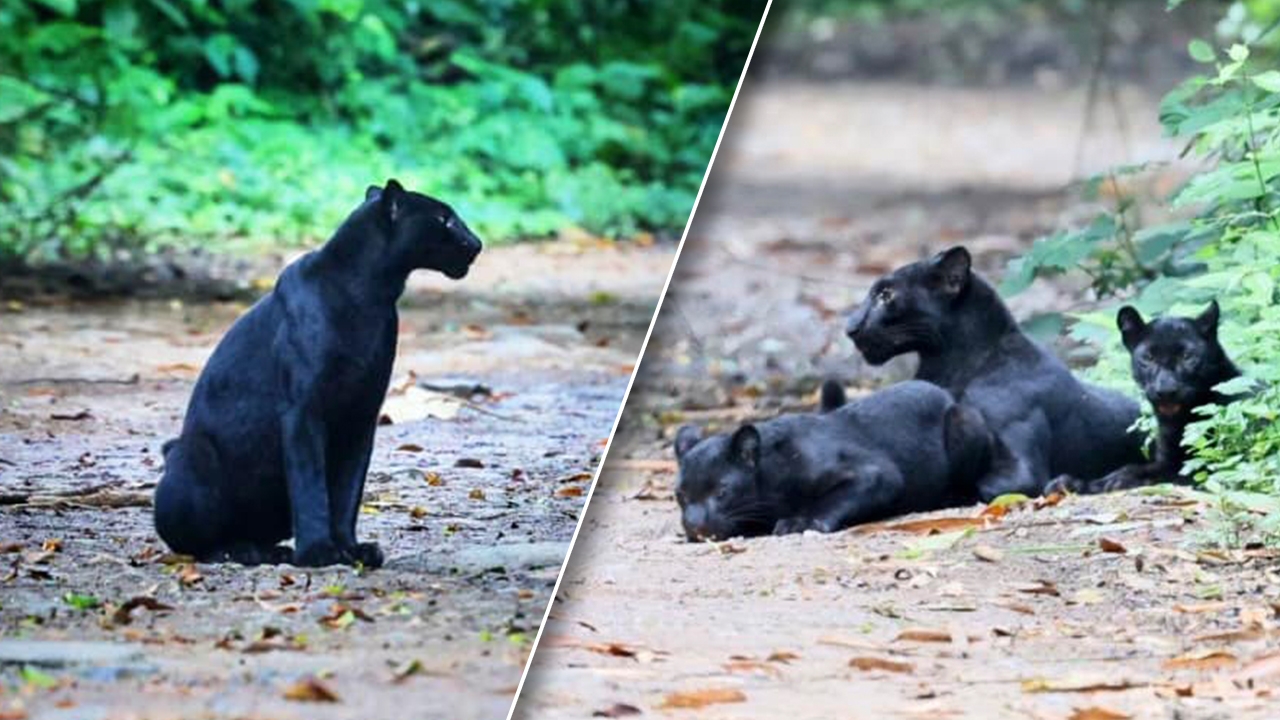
474	506
1095	606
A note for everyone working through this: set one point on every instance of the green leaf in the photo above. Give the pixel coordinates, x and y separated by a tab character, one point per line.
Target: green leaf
1045	326
1239	53
63	7
81	602
1268	80
37	678
1201	51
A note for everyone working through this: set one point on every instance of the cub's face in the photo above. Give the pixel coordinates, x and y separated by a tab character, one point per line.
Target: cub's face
718	490
425	233
1175	360
906	310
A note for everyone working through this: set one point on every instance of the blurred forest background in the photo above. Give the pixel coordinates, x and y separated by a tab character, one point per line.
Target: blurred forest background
131	126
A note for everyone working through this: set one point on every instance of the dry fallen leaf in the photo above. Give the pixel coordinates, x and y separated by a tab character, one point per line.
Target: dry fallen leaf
408	402
409	447
1041	587
189	576
924	635
695	699
1046	685
988	554
310	689
1098	713
1202	660
123	614
614	649
617	710
927	526
752	666
570	491
782	656
874	663
1111	546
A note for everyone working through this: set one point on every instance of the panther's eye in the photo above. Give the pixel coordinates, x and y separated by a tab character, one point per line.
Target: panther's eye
1189	356
884	294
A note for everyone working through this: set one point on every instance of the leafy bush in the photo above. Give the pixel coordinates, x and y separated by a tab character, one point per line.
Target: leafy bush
127	125
1228	247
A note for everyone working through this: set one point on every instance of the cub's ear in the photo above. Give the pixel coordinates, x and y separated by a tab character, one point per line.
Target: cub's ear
1132	327
744	447
1207	321
951	270
686	438
372	193
393	199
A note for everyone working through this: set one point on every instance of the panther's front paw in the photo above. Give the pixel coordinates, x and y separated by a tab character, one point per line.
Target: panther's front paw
319	555
790	526
1064	484
367	554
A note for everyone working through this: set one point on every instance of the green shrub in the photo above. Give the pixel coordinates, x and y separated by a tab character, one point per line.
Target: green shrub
128	125
1228	247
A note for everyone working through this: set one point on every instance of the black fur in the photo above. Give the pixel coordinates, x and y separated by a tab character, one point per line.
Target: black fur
903	449
280	426
1177	362
1048	423
832	396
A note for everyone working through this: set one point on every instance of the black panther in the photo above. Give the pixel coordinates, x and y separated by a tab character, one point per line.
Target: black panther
279	429
1047	422
1177	362
904	449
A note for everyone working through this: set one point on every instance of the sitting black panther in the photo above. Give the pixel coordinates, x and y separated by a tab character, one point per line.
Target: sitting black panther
907	448
1048	423
1177	362
280	426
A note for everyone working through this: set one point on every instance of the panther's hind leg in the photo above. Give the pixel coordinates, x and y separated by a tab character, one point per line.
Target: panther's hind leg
1019	463
971	448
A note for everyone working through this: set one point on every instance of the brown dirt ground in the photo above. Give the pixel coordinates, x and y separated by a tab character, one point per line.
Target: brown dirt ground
820	188
89	391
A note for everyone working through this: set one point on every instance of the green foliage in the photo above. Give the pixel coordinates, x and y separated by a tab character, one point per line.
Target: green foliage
1228	248
129	125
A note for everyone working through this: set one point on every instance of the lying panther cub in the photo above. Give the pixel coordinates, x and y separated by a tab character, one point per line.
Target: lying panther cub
904	449
1049	422
1177	362
277	436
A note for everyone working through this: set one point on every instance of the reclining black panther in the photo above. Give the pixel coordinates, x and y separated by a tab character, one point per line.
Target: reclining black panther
1047	422
904	449
1177	362
278	433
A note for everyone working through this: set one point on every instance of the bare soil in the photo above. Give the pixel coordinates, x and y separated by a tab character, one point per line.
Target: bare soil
1097	607
474	507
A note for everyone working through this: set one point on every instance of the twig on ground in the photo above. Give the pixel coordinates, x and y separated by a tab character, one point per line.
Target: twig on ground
133	379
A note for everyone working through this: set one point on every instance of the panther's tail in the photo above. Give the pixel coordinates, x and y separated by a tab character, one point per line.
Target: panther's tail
832	396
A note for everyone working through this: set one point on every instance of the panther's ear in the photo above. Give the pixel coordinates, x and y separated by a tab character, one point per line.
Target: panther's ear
951	269
686	438
745	446
1132	327
1207	321
393	199
372	193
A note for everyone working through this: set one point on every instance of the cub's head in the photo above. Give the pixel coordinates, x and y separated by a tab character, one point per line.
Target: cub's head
1176	360
906	310
719	487
424	232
